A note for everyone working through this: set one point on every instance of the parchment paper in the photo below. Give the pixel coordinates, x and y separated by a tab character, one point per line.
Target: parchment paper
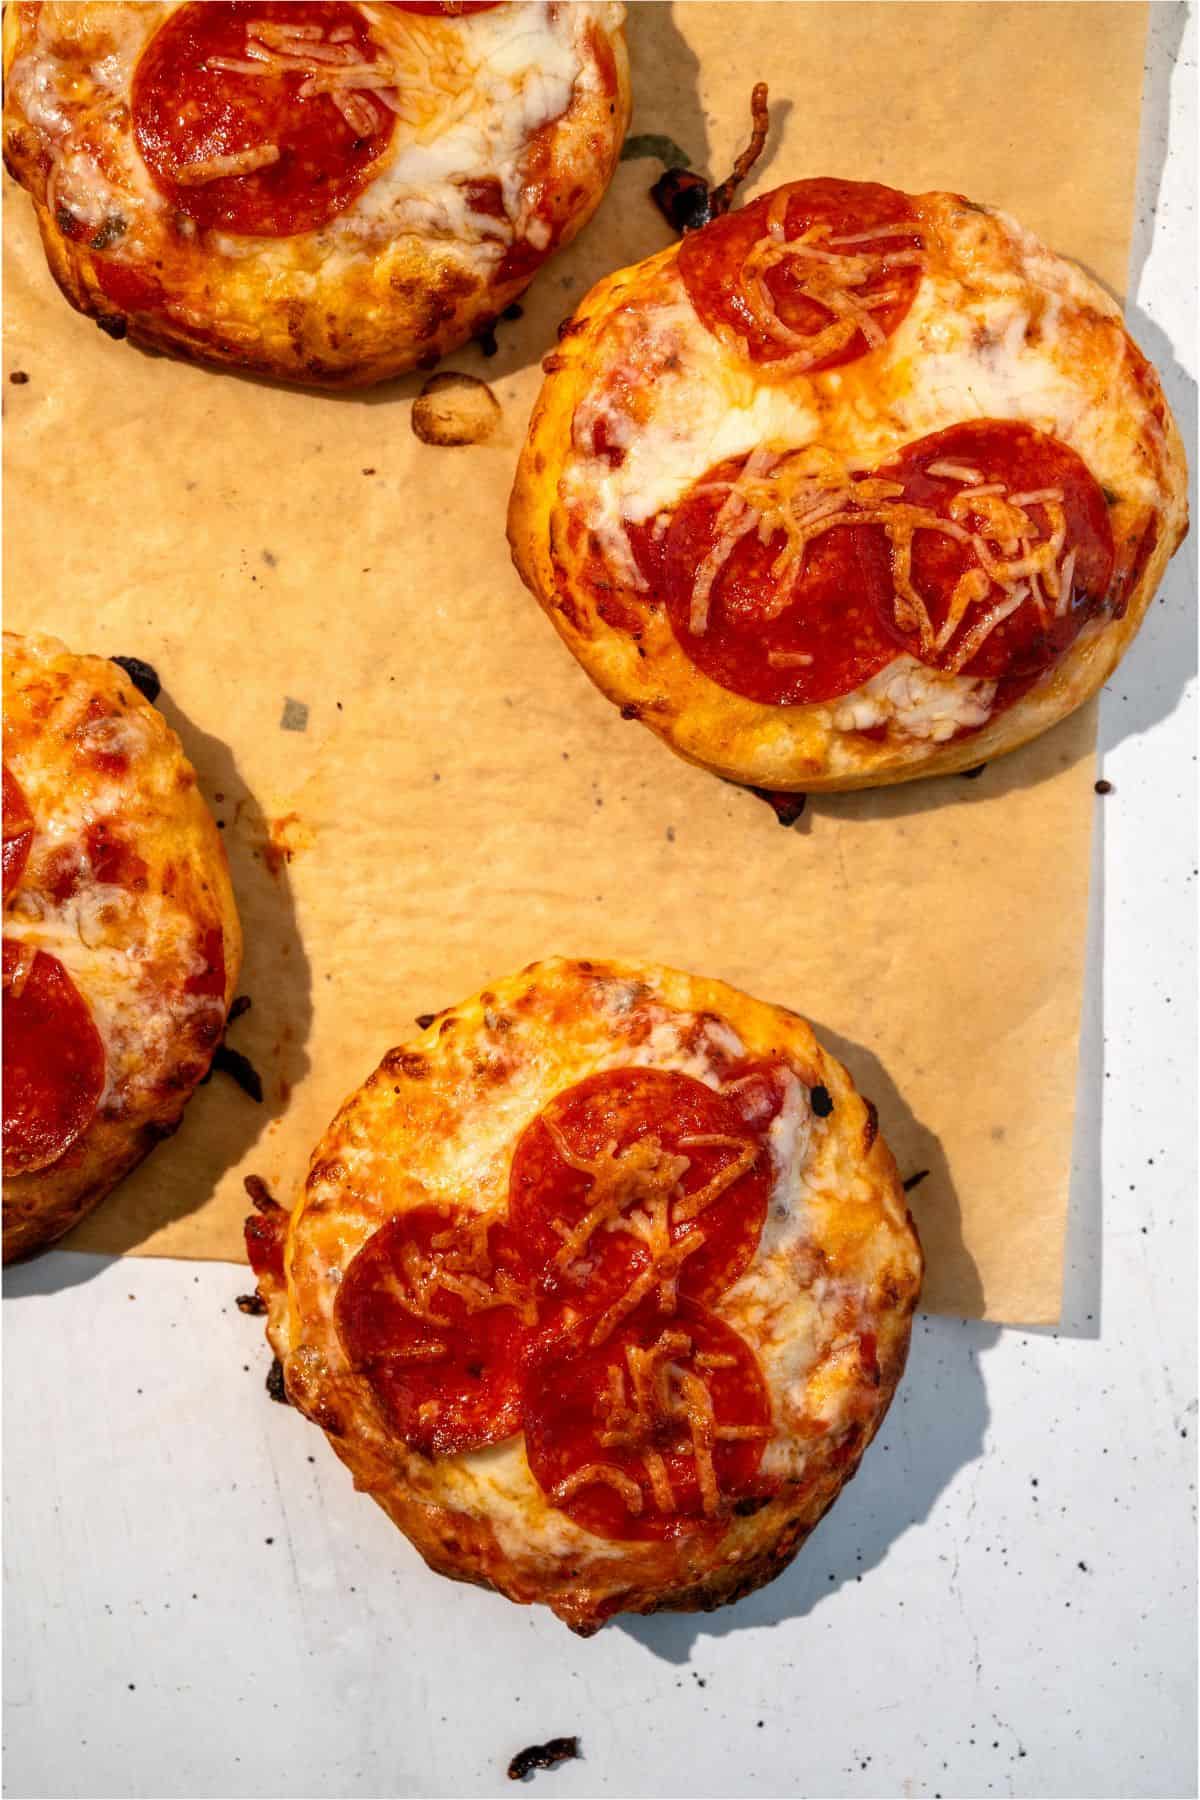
367	690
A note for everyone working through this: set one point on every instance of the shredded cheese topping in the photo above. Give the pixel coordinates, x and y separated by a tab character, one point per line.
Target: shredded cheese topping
460	1264
638	1190
655	1405
329	64
829	271
238	162
803	494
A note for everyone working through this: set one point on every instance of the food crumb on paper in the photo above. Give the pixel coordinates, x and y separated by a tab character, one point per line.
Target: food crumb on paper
542	1756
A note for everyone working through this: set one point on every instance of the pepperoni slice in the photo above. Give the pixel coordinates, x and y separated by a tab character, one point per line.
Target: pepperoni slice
1024	559
657	1433
246	118
811	276
54	1062
633	1185
783	633
434	1312
18	831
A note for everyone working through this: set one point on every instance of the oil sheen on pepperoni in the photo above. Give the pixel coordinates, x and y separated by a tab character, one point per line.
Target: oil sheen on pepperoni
651	1117
18	831
185	113
827	639
54	1061
447	1377
1025	461
574	1422
710	262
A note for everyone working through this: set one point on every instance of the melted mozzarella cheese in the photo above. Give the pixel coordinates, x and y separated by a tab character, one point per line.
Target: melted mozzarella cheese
497	1485
703	408
480	88
919	702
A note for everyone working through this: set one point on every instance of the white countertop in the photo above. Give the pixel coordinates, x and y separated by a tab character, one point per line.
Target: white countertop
1001	1603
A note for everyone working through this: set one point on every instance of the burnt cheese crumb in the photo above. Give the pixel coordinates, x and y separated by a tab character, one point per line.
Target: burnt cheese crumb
543	1756
821	1101
683	199
1104	787
425	1020
786	807
251	1303
143	675
686	200
109	233
275	1385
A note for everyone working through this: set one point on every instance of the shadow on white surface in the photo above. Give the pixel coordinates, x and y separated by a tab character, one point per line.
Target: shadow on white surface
53	1271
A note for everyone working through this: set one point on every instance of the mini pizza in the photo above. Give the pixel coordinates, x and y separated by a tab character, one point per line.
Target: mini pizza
329	194
849	486
601	1290
121	940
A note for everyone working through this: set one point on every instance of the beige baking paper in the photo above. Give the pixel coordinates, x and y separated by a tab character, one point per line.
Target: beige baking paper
460	800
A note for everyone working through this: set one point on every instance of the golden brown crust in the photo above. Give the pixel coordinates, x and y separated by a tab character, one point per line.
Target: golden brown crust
1048	345
130	950
438	1122
312	308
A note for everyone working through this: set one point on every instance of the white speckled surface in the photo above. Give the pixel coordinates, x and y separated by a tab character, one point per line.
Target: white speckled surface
1002	1603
